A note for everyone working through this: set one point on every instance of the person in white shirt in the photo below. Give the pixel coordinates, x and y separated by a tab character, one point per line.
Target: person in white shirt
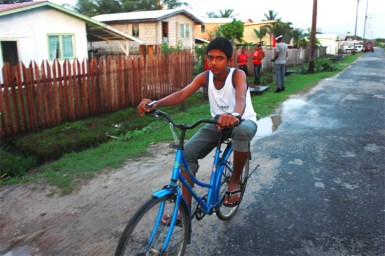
229	99
280	55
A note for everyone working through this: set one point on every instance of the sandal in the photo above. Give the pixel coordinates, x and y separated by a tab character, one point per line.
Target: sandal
230	194
166	220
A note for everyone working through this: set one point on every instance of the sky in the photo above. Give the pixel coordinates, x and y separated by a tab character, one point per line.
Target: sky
333	16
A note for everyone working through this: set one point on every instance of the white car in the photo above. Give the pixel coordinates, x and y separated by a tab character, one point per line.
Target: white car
359	47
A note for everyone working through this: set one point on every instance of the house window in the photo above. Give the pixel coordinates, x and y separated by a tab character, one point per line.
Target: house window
203	28
135	30
184	30
187	34
61	46
181	30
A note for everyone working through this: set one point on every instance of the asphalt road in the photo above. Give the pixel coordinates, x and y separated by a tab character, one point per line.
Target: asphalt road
320	187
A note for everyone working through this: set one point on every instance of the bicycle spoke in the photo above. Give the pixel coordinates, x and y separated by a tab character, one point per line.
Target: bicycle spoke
143	236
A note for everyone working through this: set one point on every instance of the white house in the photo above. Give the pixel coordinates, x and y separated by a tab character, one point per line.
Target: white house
45	31
330	41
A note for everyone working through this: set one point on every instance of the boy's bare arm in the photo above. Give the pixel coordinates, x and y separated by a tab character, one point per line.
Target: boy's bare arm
174	98
240	80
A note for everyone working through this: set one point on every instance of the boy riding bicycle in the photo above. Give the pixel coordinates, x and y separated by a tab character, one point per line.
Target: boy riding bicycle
230	100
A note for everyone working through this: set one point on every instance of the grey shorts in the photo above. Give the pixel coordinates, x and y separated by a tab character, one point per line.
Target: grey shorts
206	139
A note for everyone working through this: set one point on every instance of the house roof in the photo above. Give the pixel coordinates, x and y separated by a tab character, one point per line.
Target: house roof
260	22
201	40
217	20
96	31
327	36
145	16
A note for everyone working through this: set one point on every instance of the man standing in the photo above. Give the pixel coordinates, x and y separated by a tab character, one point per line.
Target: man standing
280	55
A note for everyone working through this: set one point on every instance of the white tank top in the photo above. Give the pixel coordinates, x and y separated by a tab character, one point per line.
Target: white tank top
223	100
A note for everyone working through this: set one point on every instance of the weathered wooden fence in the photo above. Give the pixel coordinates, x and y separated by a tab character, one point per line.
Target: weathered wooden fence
37	97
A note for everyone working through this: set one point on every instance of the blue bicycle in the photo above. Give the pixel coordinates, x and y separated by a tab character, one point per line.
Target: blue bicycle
146	234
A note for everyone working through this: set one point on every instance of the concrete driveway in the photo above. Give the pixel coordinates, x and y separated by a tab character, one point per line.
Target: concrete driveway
320	187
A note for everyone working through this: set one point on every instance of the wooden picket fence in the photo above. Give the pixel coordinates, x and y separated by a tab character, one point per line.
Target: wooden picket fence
38	97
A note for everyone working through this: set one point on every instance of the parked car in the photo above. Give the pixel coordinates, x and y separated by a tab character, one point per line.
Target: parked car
359	47
349	48
368	46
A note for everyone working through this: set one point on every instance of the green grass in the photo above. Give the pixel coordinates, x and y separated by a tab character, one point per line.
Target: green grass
81	150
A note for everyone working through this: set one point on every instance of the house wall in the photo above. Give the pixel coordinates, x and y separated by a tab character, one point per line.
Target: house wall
330	44
31	28
329	41
174	27
249	35
151	32
210	30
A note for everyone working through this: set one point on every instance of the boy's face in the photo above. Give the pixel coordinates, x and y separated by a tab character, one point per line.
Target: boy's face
218	61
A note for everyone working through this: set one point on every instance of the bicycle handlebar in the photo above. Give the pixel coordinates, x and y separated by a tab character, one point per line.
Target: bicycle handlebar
157	113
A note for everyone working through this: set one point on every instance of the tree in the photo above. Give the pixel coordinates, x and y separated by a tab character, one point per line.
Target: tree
297	35
279	28
233	30
261	33
139	5
13	1
271	15
170	4
226	13
212	15
95	7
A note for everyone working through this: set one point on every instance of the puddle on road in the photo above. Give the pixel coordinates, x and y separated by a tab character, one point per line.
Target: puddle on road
21	251
267	125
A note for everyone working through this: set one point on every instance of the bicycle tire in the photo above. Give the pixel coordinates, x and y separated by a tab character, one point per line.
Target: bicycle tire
225	212
136	235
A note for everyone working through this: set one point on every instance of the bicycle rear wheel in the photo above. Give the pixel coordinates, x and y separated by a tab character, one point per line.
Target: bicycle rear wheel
141	237
225	212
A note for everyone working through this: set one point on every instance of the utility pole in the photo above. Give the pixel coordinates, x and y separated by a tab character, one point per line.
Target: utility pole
313	38
366	18
355	29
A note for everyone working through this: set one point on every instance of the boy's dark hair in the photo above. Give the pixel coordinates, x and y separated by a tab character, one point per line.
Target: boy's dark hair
222	44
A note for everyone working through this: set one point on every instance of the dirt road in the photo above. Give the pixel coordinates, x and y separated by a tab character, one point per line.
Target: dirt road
89	221
86	222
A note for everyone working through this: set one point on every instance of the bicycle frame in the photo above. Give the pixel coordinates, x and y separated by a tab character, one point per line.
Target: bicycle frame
220	162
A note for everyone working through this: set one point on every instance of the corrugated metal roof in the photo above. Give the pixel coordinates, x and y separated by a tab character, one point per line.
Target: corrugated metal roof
217	20
145	16
9	7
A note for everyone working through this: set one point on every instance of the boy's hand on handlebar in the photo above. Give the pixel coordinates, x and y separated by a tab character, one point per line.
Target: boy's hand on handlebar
227	121
143	107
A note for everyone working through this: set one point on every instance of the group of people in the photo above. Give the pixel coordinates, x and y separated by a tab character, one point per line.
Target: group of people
279	59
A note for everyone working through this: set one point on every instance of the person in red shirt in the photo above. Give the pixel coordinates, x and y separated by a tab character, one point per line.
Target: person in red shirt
258	56
242	60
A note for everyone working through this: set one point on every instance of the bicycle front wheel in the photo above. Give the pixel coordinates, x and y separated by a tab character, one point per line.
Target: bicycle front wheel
227	212
142	235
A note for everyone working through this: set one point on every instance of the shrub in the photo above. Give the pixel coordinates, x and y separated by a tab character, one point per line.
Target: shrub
320	65
13	165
